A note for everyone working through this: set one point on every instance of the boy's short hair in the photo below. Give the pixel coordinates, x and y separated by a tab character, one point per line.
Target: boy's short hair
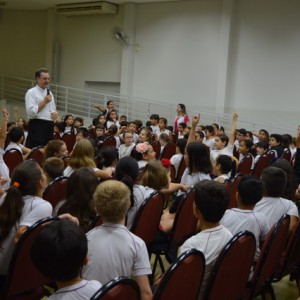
225	162
250	190
274	181
112	200
211	198
242	131
263	144
277	137
59	250
154	117
15	134
100	126
164	137
183	125
164	120
54	167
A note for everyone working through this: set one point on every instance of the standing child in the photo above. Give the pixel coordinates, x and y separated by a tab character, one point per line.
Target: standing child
154	118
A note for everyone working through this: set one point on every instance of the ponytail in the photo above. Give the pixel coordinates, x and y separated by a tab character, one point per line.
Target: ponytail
10	211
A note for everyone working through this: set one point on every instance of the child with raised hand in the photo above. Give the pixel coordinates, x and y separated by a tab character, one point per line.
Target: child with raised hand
59	251
122	253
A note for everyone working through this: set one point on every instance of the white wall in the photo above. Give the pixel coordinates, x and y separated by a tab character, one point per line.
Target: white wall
23	42
188	52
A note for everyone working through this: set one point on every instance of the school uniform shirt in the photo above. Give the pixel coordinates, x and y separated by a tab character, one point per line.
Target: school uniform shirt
236	220
33	210
228	150
139	195
83	290
125	150
4	171
275	207
191	179
159	132
210	242
155	129
175	161
13	145
114	251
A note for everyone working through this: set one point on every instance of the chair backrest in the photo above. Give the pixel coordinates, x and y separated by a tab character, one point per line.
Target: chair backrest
169	150
156	148
37	154
231	271
172	173
110	141
146	221
184	226
56	190
270	254
70	140
263	162
245	165
12	158
183	278
287	154
180	170
98	221
119	288
291	255
22	274
232	192
56	136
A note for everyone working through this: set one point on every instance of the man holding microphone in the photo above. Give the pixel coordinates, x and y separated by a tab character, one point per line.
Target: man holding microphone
41	111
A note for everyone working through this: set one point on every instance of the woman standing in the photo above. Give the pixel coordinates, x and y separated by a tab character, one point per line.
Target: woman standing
182	116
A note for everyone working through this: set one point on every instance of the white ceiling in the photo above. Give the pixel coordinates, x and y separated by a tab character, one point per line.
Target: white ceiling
44	4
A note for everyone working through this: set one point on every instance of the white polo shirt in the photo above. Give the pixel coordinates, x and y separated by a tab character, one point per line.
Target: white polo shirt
114	251
210	242
236	220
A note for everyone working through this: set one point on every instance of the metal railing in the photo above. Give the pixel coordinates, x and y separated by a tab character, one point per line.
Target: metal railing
80	103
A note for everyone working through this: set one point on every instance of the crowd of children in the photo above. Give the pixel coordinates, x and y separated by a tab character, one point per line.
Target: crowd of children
211	158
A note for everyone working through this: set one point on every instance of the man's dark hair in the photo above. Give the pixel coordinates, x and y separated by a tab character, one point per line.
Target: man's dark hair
39	72
211	198
59	250
250	190
274	181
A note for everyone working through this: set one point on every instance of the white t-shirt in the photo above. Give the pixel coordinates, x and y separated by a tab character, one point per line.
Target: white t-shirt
228	150
210	242
139	195
191	179
4	171
236	220
175	161
125	150
275	208
114	251
33	210
83	290
210	143
12	145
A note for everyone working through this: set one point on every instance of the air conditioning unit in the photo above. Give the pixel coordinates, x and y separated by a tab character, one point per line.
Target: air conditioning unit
86	8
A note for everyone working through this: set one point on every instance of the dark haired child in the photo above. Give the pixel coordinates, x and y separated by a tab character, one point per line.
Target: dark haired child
261	148
59	251
272	205
250	191
222	167
162	124
176	159
110	105
68	124
275	143
100	135
16	135
154	118
211	200
122	253
181	130
246	149
209	140
53	167
128	145
199	136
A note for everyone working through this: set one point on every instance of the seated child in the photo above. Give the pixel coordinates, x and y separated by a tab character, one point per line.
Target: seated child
176	159
121	253
275	144
126	148
53	167
59	251
163	140
211	200
261	148
272	205
250	191
16	135
222	167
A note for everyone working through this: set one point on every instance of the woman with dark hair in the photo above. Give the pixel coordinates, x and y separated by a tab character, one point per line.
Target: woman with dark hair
79	197
127	171
181	117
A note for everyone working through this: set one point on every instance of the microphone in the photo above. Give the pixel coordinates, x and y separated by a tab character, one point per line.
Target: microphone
48	90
